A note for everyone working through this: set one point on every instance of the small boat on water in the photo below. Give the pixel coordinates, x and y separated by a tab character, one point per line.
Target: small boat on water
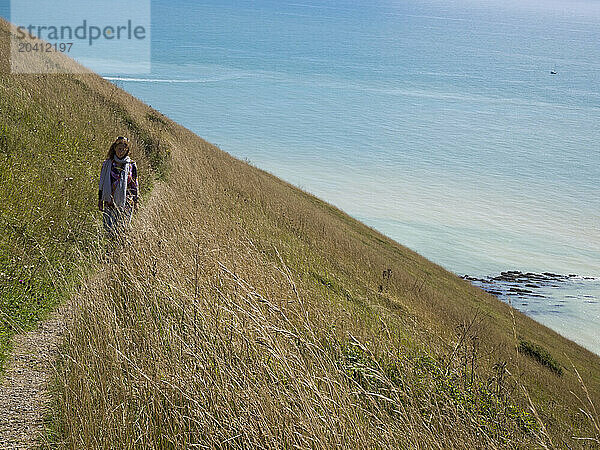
553	72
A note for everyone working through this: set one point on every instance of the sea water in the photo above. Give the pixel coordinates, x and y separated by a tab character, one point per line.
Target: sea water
437	122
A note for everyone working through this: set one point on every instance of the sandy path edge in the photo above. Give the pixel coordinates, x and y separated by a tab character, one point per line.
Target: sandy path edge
24	396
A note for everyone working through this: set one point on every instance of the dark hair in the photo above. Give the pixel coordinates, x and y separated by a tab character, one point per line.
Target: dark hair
113	147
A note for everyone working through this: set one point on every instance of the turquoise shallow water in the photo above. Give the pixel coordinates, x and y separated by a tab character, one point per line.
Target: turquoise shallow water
436	122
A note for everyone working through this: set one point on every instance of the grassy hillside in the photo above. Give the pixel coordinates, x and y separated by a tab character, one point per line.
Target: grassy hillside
245	312
54	134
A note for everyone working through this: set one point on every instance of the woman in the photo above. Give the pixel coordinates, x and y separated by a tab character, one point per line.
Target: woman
118	193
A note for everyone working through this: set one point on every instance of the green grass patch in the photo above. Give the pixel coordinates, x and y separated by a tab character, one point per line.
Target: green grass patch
424	383
541	355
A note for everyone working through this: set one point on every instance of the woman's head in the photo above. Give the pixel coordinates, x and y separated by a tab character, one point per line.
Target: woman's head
120	148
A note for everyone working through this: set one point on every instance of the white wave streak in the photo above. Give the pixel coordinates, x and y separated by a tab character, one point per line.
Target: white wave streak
168	80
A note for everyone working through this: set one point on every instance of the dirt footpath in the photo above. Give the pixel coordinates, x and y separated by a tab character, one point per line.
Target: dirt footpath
24	397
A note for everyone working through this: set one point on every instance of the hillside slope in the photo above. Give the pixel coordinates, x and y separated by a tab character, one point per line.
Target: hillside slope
54	134
245	312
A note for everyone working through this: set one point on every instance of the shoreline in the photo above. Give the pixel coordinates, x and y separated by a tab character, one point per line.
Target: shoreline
554	300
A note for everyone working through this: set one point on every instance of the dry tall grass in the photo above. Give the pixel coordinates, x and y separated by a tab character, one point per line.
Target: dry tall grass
228	319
